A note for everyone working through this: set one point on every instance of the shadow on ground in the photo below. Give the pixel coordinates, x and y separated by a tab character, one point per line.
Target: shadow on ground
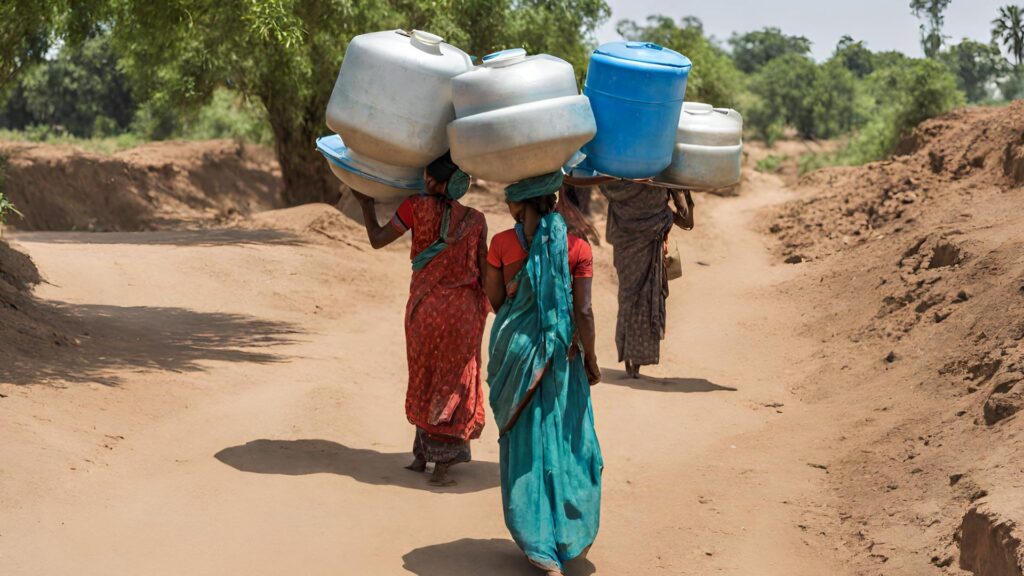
205	237
116	339
617	377
301	457
476	557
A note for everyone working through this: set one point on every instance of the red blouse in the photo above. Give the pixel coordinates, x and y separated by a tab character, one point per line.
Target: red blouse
506	253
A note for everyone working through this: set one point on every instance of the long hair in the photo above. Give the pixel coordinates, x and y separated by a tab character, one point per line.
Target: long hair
575	221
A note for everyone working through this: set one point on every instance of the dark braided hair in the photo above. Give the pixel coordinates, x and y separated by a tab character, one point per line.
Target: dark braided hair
575	221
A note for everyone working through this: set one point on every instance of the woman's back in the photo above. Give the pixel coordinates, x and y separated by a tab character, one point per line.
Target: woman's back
507	253
459	263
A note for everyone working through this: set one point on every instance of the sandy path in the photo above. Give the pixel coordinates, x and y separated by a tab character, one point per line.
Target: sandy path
264	432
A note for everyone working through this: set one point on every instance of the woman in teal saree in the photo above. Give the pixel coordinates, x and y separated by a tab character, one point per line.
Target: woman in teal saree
541	364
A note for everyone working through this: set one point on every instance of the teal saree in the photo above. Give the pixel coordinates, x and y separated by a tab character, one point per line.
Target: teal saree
550	458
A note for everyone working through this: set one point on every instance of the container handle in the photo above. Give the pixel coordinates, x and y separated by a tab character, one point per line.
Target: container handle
648	45
427	37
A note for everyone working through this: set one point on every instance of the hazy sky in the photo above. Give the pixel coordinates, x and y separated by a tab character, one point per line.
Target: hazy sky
883	24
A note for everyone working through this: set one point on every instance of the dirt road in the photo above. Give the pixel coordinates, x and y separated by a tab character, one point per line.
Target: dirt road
237	408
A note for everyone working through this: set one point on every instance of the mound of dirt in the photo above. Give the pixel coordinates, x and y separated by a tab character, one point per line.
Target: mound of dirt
155	186
27	328
948	160
921	288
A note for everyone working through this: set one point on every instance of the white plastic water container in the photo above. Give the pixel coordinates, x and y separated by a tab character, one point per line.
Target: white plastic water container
518	116
391	106
383	182
709	148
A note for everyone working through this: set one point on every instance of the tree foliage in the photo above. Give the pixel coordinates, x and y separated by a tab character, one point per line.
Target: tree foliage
1008	28
904	95
286	54
854	56
752	50
976	66
713	79
932	12
30	28
816	100
80	92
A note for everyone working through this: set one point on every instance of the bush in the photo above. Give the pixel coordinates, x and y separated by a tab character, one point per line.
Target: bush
6	207
99	145
770	164
80	92
819	101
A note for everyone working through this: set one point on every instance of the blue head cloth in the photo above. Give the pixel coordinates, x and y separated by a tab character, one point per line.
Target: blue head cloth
543	185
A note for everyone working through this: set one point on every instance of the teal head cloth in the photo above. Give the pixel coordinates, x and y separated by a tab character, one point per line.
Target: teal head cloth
542	185
458	185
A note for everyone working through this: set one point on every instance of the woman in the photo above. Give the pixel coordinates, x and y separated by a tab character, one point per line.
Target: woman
639	220
445	315
538	280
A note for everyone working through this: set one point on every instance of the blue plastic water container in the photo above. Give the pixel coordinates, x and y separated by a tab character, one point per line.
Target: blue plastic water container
636	90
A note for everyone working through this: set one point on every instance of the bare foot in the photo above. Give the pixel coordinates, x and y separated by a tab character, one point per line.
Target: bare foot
417	466
440	476
632	370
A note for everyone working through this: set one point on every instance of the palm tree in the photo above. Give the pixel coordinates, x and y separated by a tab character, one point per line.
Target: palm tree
1008	28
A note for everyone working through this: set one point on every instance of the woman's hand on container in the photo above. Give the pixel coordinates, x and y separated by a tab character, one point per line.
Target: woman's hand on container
682	216
593	370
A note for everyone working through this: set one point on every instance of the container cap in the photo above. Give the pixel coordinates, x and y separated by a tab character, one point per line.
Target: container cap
504	57
648	52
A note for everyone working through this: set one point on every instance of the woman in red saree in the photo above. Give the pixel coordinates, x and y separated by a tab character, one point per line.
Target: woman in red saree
445	315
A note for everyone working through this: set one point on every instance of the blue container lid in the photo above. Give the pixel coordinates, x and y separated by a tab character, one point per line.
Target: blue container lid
647	52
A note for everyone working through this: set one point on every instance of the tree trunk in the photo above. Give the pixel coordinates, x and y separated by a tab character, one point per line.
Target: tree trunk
304	170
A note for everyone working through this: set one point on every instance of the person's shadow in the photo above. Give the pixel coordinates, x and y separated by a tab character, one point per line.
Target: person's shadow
478	557
618	377
301	457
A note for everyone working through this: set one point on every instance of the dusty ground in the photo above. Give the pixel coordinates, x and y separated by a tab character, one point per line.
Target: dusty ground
231	401
236	407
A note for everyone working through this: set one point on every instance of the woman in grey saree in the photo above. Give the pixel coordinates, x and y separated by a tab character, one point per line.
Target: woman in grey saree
639	220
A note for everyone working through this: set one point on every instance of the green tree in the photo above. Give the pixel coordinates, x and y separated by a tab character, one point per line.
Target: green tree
977	66
286	54
714	79
854	56
931	11
1008	28
781	89
753	50
832	101
30	28
905	94
81	92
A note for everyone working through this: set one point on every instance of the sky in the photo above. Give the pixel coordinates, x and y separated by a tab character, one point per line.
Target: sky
882	24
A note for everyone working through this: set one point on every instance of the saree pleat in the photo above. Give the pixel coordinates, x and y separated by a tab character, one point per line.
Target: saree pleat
550	457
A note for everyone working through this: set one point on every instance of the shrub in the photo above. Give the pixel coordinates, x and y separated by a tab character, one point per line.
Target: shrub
770	164
6	207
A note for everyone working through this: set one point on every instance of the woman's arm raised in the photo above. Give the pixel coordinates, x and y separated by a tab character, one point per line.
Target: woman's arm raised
379	236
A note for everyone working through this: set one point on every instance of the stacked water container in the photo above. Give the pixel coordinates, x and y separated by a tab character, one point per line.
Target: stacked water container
708	150
402	99
518	116
636	90
390	108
